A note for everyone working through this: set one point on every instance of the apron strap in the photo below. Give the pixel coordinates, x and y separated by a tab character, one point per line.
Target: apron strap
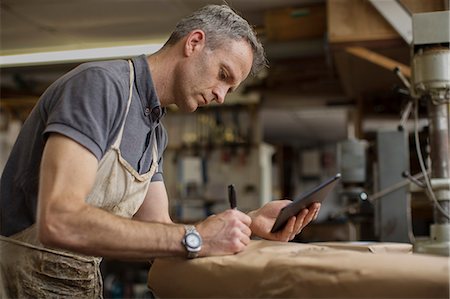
155	153
119	136
116	145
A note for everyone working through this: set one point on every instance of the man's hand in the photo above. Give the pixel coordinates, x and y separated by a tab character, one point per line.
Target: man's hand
226	233
264	218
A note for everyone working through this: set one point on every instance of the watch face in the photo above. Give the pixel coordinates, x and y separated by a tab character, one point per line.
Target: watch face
193	241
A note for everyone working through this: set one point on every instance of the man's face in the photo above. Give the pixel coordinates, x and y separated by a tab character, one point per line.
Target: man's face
208	75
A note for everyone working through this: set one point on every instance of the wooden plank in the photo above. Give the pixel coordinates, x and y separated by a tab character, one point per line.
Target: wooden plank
358	20
418	6
295	23
383	61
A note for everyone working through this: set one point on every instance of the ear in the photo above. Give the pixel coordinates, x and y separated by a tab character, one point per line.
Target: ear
195	41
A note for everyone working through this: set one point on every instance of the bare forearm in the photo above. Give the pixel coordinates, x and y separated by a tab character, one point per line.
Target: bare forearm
92	231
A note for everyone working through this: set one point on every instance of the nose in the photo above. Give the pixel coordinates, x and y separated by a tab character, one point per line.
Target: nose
219	93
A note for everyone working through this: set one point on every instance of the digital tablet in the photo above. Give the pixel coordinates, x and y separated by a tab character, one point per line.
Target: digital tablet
318	194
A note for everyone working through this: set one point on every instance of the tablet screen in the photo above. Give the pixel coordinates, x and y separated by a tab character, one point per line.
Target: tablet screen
317	194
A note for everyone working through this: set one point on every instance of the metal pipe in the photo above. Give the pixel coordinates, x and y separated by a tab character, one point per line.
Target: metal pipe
439	142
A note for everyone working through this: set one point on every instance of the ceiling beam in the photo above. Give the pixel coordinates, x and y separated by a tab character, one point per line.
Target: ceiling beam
380	60
397	16
81	55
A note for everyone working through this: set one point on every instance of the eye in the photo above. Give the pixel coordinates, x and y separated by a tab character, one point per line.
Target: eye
222	74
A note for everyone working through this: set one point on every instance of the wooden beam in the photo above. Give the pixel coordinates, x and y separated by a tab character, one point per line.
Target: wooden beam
380	60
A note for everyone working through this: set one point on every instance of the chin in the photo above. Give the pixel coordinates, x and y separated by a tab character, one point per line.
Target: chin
190	108
187	106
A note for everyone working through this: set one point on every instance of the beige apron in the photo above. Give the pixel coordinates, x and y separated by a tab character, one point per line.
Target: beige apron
31	270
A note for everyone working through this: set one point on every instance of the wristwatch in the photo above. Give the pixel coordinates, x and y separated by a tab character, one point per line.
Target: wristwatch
192	241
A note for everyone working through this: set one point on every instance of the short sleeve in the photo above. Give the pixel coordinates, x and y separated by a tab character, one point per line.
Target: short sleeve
88	108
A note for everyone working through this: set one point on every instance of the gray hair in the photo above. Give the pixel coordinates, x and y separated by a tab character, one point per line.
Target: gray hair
220	22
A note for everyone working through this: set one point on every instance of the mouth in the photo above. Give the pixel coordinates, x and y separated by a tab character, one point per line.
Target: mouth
205	102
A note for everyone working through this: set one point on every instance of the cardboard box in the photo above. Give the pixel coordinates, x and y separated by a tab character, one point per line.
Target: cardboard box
293	270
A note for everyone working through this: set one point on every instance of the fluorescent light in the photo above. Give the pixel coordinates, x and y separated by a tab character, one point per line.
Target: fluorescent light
77	55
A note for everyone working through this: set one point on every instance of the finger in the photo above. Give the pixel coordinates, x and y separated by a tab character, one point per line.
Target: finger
308	218
237	246
245	229
240	229
298	228
239	240
245	240
314	207
318	205
300	219
315	215
293	234
247	220
317	209
288	229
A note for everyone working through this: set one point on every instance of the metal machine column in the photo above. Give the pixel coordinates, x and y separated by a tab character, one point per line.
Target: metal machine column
393	210
431	83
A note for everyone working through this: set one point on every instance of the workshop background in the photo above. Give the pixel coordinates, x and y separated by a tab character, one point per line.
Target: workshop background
329	102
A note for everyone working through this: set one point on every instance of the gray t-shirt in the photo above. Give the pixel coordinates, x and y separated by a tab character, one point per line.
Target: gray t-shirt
88	105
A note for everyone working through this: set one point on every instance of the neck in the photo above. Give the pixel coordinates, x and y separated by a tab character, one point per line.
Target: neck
161	68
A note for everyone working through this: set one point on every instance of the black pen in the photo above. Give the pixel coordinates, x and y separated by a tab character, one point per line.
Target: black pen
232	196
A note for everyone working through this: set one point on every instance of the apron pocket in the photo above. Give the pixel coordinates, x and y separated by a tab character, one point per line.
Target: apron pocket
31	272
63	276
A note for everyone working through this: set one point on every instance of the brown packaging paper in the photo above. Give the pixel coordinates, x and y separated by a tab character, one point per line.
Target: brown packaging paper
292	270
374	247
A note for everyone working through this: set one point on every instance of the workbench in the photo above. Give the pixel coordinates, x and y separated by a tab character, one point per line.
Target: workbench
267	269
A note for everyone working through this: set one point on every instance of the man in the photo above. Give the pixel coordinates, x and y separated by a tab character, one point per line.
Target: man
84	179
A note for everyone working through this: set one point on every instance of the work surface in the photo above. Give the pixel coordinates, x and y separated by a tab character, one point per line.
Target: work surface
293	270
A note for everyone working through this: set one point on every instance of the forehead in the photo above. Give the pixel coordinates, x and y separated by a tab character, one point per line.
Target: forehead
236	55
